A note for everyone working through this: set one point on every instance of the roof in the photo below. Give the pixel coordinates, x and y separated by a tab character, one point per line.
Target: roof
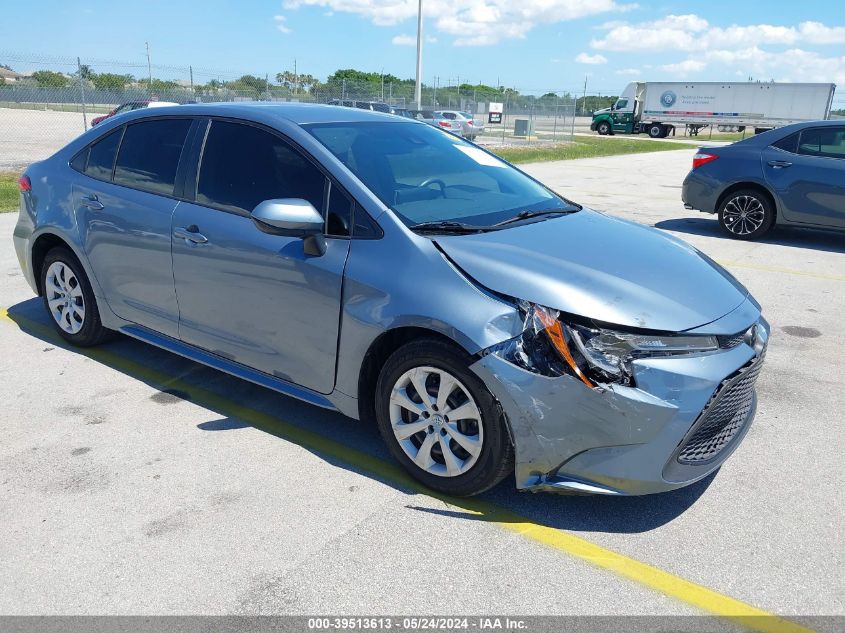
10	74
298	113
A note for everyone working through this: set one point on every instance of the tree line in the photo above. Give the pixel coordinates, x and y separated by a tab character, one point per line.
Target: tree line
346	83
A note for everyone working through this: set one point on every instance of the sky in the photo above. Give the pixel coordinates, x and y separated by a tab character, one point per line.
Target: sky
533	45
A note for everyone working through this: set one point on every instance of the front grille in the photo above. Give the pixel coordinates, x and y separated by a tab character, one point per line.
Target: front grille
728	342
723	417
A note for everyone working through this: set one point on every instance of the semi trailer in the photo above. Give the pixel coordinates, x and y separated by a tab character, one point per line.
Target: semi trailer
657	108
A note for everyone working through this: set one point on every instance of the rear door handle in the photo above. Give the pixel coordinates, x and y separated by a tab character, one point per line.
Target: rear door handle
779	164
92	203
190	234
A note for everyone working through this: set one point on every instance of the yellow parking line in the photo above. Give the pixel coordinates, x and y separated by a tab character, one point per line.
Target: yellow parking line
688	592
776	269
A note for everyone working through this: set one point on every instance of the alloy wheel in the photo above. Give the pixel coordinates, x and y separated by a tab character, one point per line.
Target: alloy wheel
436	421
64	297
743	215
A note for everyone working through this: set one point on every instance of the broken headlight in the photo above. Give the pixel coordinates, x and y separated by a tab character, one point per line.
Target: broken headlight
551	346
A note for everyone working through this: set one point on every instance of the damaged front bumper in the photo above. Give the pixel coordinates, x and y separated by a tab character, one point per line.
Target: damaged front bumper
678	422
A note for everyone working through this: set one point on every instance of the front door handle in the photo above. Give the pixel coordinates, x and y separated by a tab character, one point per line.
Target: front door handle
92	203
779	164
190	234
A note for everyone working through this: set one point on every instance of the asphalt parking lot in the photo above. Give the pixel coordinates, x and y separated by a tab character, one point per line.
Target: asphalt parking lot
136	482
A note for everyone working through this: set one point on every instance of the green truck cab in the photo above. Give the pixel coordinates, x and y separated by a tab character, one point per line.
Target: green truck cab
617	118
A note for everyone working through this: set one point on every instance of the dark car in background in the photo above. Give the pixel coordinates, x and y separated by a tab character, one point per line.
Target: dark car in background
129	106
374	106
794	175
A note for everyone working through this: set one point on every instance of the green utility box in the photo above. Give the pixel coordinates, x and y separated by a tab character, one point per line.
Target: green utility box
522	127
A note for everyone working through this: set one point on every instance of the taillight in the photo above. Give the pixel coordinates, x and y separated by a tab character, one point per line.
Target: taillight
24	183
470	122
702	159
444	123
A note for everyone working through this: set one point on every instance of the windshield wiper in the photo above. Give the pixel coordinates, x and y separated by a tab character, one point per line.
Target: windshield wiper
524	215
446	226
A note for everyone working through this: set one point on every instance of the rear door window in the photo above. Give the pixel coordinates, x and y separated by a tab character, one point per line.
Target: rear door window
828	142
149	155
243	165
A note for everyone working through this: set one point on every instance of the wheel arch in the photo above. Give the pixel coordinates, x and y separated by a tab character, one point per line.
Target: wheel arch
43	244
754	186
378	352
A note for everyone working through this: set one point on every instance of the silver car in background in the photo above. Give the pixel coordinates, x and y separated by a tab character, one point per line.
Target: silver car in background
470	128
436	119
378	267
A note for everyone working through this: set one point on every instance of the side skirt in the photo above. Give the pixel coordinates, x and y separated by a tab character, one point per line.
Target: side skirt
230	367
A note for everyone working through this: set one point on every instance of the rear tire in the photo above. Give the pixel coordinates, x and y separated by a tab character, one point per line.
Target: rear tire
746	214
603	128
459	456
69	299
656	130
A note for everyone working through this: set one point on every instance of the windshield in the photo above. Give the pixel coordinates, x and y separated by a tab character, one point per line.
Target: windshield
426	175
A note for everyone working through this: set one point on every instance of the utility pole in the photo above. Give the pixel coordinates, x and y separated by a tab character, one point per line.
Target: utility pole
382	85
149	67
82	94
584	105
418	86
191	70
295	77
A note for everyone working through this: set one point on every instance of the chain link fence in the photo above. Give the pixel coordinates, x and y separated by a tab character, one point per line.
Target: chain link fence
47	101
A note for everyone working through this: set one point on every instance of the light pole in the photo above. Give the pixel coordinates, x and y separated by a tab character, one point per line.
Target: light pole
149	67
418	86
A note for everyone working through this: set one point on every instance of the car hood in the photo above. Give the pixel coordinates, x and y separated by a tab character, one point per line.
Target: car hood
602	268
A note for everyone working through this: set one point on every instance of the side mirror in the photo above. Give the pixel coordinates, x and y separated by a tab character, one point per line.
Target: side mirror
292	217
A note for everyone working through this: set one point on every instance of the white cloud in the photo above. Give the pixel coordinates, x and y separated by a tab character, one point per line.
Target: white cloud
685	67
471	22
794	64
404	40
584	58
691	33
818	33
411	40
764	51
628	72
280	21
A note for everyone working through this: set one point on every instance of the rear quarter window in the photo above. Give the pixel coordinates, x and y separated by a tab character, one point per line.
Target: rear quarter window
97	160
788	143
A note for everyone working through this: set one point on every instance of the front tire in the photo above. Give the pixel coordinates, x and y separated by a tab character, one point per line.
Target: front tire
69	299
746	214
440	421
603	128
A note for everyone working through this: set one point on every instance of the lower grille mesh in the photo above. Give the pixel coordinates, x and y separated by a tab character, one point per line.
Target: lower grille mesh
723	417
